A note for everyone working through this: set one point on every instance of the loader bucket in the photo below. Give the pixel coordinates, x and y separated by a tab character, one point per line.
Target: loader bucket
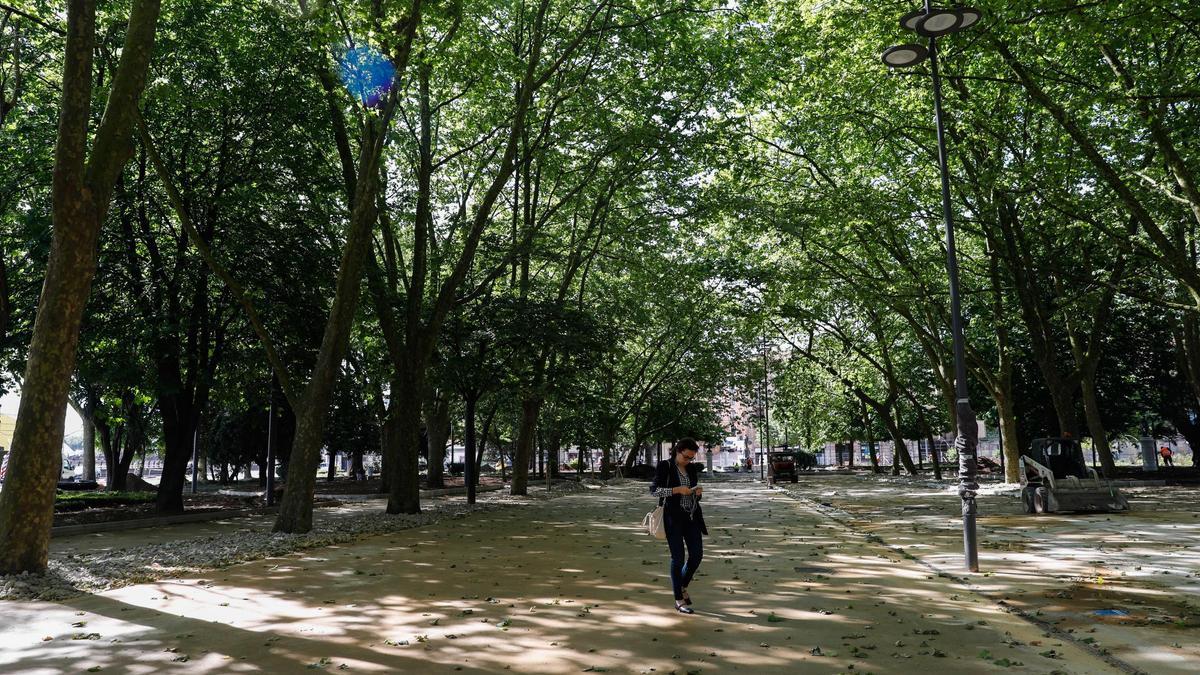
1096	500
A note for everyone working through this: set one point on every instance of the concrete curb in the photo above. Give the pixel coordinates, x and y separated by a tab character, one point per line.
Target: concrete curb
138	523
443	492
205	516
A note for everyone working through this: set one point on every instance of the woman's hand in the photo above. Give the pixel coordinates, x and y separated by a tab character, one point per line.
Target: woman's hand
697	491
681	490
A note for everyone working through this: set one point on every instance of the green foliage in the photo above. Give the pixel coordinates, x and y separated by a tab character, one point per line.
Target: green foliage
76	501
693	185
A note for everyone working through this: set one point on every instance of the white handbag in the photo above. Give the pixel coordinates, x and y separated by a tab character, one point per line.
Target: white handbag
653	522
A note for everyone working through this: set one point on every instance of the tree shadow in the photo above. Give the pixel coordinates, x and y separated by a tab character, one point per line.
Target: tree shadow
555	587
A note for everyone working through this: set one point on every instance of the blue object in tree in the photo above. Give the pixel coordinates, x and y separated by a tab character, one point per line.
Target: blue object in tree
367	74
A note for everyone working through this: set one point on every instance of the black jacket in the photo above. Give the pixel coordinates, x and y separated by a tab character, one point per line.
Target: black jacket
666	476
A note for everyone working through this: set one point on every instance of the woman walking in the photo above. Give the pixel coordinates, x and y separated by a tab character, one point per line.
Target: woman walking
676	484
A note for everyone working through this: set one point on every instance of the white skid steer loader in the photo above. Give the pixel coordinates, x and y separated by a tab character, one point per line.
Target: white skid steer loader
1055	478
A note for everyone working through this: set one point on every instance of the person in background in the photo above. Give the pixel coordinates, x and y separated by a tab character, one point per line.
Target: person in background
676	484
1166	454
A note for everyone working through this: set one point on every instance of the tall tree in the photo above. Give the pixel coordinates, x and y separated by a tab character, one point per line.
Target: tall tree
83	184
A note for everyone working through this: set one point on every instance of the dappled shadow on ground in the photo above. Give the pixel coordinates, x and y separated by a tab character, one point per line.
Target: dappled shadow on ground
1129	582
554	587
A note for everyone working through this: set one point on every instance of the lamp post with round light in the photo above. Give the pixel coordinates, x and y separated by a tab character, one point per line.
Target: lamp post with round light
932	23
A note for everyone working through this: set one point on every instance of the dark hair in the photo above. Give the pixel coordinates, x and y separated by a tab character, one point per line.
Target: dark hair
685	444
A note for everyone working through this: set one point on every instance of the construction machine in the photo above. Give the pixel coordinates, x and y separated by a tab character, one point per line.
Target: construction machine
1055	478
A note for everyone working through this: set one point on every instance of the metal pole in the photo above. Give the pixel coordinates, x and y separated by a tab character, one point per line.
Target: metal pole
270	468
770	471
195	446
967	439
1000	435
469	451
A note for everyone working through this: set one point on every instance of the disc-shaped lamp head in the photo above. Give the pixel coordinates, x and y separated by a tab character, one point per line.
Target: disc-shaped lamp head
939	22
904	56
970	17
909	21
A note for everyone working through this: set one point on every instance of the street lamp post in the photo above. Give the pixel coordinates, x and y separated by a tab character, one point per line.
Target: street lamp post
768	472
932	23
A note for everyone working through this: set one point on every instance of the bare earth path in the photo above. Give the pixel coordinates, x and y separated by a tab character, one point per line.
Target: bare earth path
562	586
1127	583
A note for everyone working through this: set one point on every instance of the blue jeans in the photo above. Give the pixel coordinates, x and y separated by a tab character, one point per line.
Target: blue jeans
680	532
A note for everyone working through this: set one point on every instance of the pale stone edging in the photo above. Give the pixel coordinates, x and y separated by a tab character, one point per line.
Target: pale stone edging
139	523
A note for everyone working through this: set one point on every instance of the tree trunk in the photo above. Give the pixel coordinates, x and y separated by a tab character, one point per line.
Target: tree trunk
1062	397
1008	438
530	409
470	469
177	423
295	511
933	455
552	454
437	426
332	472
404	439
866	420
89	439
929	435
901	451
81	190
1091	410
124	454
484	436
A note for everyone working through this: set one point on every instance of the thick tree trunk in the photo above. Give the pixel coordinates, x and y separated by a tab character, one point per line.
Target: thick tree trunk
1187	347
1091	410
89	440
874	457
295	511
1062	397
470	469
1008	438
437	426
118	455
530	410
901	452
81	190
404	440
177	439
552	454
110	455
123	464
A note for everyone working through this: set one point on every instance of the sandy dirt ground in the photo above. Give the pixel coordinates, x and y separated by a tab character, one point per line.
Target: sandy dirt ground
1127	584
562	586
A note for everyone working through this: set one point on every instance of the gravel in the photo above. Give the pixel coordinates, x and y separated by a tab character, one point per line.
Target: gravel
69	574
